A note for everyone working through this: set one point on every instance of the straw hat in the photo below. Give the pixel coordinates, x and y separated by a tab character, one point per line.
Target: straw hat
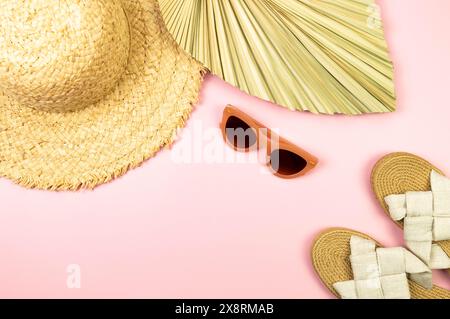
88	89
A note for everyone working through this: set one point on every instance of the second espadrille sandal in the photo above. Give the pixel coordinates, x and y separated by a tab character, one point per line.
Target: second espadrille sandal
353	265
416	195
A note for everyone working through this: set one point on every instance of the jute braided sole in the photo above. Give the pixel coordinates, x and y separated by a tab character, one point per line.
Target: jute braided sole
398	173
331	260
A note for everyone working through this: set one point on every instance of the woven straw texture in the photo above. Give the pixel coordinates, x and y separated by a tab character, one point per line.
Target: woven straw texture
399	173
331	260
88	90
322	56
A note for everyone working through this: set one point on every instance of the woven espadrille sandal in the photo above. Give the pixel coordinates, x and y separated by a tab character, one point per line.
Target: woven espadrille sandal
354	266
416	195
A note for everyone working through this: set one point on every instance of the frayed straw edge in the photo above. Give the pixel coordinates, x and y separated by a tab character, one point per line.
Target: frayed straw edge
100	179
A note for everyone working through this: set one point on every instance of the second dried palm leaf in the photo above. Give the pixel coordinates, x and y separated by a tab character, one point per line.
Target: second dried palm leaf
323	56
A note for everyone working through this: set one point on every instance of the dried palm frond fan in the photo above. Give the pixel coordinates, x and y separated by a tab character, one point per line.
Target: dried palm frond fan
324	56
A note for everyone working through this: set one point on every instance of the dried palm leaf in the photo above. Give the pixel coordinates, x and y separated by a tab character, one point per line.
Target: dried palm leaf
324	56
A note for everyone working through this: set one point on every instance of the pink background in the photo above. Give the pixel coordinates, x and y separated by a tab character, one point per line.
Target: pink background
222	230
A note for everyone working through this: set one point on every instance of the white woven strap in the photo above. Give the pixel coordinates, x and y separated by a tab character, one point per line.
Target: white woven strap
426	219
380	273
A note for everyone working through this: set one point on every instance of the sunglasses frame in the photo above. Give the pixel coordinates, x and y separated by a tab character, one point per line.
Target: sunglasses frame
261	130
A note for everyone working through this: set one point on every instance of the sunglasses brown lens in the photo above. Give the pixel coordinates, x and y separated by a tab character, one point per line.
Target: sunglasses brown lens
239	133
287	163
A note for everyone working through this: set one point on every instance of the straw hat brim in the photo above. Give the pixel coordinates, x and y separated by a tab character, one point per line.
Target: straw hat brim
82	149
331	260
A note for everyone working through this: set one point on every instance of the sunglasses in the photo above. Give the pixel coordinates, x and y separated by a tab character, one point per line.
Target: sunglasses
244	134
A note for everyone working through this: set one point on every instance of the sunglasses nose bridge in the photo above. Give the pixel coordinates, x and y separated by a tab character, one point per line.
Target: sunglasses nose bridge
263	135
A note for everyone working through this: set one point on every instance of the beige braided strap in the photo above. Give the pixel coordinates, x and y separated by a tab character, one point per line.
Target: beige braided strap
380	273
426	219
